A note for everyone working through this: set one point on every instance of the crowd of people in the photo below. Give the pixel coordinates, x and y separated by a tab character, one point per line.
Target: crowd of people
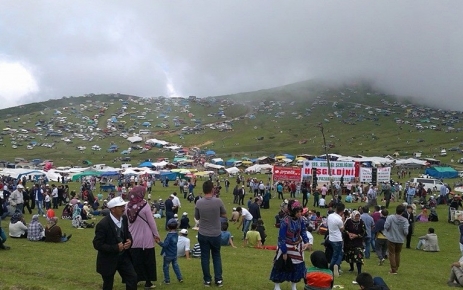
128	228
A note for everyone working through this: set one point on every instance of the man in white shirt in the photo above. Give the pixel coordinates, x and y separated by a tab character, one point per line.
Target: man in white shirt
54	195
245	221
183	244
322	202
335	228
176	202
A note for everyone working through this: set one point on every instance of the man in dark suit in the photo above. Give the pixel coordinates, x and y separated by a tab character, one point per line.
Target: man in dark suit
112	241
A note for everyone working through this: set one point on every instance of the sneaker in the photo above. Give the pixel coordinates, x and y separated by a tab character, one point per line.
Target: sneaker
393	272
207	283
180	280
381	262
166	282
152	286
219	283
70	236
336	271
354	282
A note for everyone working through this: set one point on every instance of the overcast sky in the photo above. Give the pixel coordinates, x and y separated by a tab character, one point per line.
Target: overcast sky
50	49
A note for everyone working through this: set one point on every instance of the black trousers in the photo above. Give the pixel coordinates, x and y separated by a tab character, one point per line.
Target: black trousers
26	205
127	272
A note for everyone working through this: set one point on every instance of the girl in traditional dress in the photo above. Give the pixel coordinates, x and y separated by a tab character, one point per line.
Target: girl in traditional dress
292	241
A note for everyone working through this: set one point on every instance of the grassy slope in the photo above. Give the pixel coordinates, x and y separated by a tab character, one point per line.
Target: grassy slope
281	135
72	265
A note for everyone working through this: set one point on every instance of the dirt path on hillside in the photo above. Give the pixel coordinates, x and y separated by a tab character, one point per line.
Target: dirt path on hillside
203	144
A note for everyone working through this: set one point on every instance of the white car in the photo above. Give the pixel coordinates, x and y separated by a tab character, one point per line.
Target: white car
96	148
81	148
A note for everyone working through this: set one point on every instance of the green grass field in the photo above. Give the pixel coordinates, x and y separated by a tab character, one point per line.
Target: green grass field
71	265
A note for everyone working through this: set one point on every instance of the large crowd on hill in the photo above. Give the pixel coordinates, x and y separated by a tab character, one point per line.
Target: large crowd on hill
349	235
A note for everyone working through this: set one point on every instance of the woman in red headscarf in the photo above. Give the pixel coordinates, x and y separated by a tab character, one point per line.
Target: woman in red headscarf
143	229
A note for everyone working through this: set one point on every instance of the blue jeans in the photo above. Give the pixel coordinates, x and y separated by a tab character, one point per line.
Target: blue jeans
337	254
246	225
39	204
420	244
368	242
2	235
410	199
210	246
165	268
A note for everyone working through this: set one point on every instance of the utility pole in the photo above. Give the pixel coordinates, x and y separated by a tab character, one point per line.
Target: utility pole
320	126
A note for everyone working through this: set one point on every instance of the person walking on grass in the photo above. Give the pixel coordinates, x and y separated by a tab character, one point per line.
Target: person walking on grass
396	229
335	228
112	241
208	211
169	251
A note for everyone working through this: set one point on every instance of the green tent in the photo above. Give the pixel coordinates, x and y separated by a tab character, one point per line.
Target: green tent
85	173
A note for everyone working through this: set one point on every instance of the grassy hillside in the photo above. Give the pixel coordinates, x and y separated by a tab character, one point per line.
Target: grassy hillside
356	120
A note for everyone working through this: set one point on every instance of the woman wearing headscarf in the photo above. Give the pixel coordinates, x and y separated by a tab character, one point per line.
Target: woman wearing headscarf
319	276
53	232
288	263
35	231
17	228
143	229
355	231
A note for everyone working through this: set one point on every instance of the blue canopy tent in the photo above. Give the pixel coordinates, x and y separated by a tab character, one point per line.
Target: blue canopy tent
441	172
166	174
146	164
146	124
32	173
230	162
109	173
210	152
289	156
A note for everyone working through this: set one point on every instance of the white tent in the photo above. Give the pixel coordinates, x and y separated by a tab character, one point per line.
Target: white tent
135	139
258	168
156	141
161	164
232	170
410	161
215	166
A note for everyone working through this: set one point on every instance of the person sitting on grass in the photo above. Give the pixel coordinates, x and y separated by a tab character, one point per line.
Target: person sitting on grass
17	228
253	238
35	230
428	242
53	232
319	276
226	239
183	244
423	216
367	282
456	274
